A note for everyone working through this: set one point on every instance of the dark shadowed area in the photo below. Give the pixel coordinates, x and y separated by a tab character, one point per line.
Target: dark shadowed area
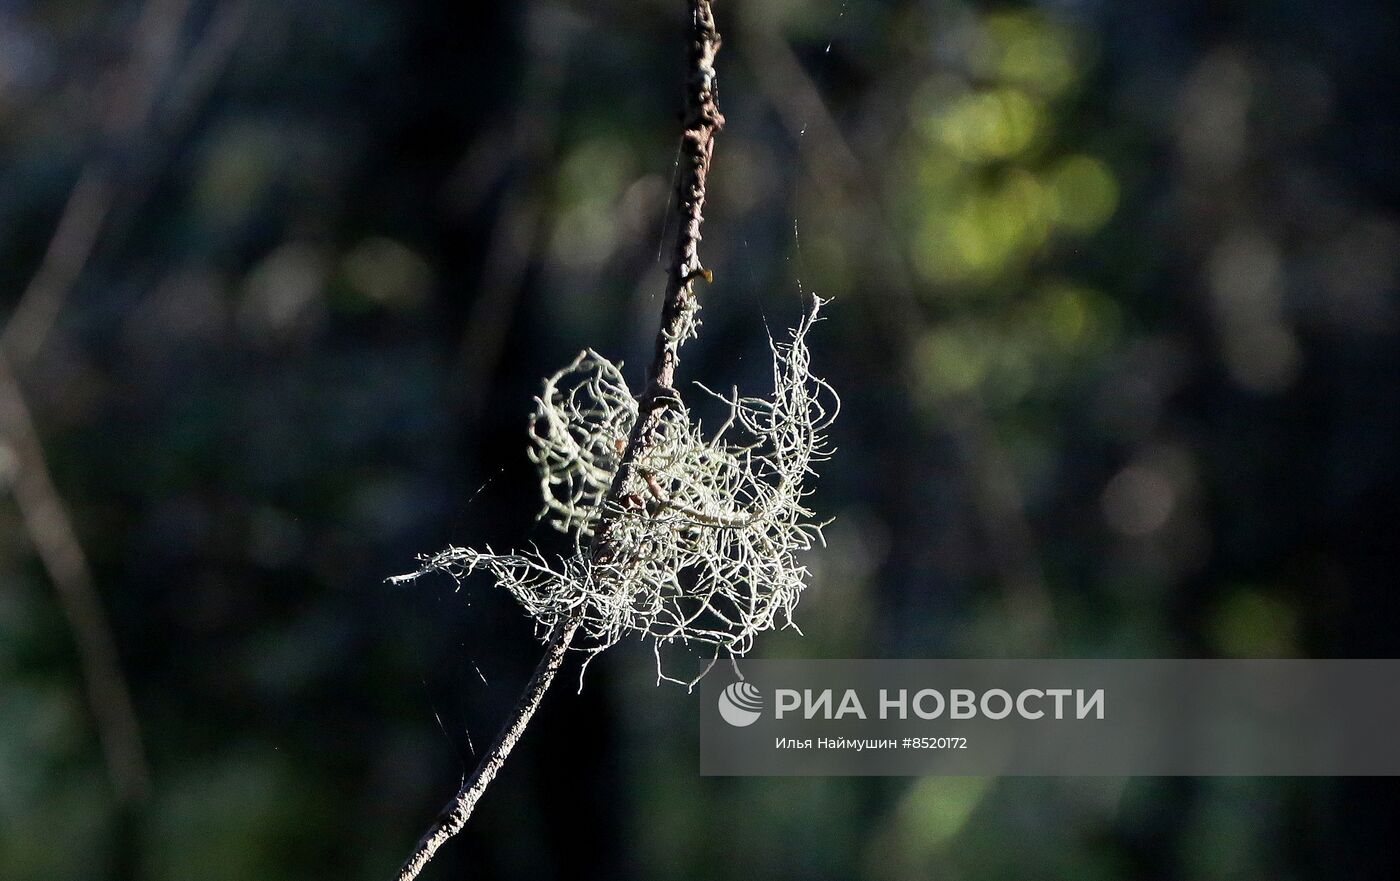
1114	320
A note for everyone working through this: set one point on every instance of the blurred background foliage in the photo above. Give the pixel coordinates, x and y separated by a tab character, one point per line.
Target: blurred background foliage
1114	320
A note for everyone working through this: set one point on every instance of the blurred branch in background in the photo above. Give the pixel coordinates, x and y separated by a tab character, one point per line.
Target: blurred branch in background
51	530
133	120
999	504
519	225
127	108
122	106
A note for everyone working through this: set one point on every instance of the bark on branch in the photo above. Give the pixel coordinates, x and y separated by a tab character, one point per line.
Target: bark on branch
455	815
702	121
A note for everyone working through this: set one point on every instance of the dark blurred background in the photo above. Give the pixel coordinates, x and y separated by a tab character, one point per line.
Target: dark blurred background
1114	319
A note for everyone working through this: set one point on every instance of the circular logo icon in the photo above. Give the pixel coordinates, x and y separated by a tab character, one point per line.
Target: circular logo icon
741	704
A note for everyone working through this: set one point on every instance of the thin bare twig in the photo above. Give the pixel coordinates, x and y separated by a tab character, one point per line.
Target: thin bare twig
459	810
702	121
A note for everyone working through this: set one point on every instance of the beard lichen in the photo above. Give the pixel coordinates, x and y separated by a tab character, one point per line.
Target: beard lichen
705	539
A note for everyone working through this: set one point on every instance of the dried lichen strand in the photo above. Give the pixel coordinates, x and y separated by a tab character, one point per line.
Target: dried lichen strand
702	121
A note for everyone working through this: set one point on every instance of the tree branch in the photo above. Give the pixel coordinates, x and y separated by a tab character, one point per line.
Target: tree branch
455	815
702	121
127	116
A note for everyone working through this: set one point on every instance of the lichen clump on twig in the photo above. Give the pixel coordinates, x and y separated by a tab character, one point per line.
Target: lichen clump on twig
705	539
